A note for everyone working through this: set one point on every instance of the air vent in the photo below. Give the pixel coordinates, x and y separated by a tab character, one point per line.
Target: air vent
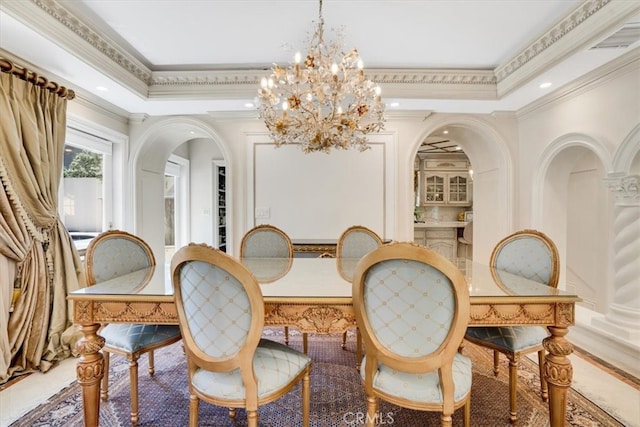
625	37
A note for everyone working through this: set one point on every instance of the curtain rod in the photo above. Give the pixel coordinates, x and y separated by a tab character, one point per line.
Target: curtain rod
7	66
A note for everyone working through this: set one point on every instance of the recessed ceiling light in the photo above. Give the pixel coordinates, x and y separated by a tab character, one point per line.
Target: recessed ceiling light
394	104
545	85
458	148
101	88
192	132
445	132
249	105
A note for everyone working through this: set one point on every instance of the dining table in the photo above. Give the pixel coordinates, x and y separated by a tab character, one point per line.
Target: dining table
314	296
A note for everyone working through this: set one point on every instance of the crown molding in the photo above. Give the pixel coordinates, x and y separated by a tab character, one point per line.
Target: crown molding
588	23
407	83
577	30
58	24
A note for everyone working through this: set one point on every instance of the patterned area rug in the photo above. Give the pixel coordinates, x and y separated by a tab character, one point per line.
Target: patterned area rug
337	397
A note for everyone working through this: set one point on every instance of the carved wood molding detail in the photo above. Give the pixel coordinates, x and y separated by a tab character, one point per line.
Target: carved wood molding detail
135	312
552	36
522	313
311	318
101	44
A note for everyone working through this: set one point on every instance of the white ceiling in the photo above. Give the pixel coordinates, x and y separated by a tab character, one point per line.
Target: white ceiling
160	57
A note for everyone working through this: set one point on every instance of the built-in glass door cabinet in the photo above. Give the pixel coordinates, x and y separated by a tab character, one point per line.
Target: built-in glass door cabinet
220	186
446	187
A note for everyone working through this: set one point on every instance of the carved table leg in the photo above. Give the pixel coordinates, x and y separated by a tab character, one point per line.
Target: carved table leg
89	371
558	372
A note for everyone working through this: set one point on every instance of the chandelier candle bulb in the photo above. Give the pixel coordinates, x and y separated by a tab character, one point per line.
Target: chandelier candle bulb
326	100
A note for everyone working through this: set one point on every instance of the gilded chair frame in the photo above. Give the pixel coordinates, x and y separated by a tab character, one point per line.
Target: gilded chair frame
243	359
89	261
90	276
265	228
268	228
441	359
351	230
354	229
514	357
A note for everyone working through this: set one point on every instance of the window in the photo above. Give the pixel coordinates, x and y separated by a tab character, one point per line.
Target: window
86	203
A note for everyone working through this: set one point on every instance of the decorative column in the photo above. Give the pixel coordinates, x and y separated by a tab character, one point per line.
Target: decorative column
623	316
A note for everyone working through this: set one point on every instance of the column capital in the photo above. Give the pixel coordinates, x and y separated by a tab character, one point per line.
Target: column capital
626	188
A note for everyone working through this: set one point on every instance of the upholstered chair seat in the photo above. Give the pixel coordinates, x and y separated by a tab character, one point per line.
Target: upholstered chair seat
533	255
412	307
221	314
274	365
423	387
114	254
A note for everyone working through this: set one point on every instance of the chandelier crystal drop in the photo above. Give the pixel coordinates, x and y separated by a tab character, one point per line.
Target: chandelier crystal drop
323	100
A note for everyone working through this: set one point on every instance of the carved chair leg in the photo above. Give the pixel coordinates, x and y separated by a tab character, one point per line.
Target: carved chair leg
513	387
152	368
133	379
467	413
252	418
104	392
286	335
446	420
372	408
344	339
306	398
305	343
496	363
544	389
194	404
358	348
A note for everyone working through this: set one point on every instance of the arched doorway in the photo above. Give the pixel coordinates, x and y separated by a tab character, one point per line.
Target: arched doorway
196	143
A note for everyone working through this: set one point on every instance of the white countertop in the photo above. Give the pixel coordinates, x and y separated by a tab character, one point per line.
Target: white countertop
440	224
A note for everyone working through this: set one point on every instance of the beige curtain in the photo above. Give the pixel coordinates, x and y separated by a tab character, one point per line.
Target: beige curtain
38	260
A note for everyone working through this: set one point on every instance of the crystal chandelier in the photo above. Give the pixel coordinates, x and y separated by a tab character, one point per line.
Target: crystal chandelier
321	102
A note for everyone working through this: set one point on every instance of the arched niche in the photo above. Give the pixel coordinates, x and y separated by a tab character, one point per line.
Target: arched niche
573	206
153	148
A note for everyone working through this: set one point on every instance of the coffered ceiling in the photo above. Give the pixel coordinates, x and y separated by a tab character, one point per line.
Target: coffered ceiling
198	56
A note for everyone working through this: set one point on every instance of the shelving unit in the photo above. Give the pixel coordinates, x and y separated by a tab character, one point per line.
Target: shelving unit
220	186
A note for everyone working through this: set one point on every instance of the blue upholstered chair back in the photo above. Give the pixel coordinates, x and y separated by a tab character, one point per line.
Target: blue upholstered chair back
219	305
266	241
115	253
356	242
410	306
529	254
217	308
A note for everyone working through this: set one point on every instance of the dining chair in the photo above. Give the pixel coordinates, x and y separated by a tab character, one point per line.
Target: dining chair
112	254
412	307
268	241
354	243
221	315
465	242
533	255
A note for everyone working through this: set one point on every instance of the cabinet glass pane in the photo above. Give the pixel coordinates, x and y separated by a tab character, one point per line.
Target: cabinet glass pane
457	189
434	189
